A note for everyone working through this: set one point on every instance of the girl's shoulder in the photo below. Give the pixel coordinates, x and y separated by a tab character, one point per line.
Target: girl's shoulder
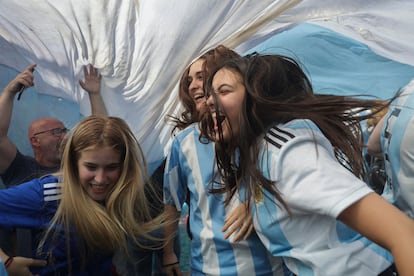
280	134
301	125
193	128
192	132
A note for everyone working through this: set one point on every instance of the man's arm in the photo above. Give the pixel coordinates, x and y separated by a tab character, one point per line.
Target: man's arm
7	148
92	85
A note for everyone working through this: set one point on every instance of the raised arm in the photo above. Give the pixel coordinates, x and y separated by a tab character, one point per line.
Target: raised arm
383	223
7	148
92	85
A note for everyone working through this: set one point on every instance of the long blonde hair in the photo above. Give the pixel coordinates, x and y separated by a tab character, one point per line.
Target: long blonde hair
126	213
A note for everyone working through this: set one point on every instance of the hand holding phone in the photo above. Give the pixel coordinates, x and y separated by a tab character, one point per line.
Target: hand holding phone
22	87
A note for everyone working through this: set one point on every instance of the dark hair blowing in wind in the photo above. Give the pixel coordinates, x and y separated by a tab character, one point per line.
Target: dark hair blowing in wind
278	91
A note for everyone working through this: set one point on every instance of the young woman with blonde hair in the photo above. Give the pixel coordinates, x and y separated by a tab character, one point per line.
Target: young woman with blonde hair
92	206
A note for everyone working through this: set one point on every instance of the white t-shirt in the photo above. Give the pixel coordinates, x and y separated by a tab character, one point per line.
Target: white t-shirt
316	189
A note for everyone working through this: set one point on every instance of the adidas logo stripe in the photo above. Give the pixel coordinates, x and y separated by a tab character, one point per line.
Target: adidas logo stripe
52	191
278	137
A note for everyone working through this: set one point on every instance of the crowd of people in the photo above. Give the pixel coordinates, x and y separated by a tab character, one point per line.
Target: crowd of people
274	174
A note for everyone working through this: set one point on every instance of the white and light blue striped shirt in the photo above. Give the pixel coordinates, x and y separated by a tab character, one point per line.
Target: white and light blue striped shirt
190	164
397	145
316	189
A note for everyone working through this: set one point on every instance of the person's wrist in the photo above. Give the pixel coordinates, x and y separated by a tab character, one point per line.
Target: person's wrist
93	93
8	262
10	92
170	264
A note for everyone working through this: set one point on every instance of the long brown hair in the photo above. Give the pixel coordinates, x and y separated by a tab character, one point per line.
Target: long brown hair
278	91
190	114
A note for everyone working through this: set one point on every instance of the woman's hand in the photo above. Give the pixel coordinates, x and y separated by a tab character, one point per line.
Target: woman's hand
238	220
20	266
171	265
92	82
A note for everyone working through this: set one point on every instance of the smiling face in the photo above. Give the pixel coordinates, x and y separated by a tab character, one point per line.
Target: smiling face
99	170
229	92
195	84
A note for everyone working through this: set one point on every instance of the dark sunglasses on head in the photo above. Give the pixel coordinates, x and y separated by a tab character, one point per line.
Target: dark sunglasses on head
54	131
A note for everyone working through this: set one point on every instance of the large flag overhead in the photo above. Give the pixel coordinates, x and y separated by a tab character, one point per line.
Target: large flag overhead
142	46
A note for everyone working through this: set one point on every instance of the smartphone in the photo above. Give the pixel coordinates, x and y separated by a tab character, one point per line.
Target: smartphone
21	89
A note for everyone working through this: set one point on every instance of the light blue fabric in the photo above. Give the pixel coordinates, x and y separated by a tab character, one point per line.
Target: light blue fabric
337	64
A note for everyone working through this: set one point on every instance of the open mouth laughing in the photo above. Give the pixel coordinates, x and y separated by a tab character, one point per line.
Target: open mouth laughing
199	97
218	119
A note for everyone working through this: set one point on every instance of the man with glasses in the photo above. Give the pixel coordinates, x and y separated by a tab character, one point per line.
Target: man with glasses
45	135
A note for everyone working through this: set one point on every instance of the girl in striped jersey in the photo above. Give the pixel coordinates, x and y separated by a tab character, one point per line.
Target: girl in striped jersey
188	173
296	155
91	206
392	140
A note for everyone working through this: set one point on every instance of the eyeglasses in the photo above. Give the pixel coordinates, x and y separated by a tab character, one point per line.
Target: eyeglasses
54	131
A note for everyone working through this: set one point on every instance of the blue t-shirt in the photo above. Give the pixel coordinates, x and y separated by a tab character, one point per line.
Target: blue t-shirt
32	205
